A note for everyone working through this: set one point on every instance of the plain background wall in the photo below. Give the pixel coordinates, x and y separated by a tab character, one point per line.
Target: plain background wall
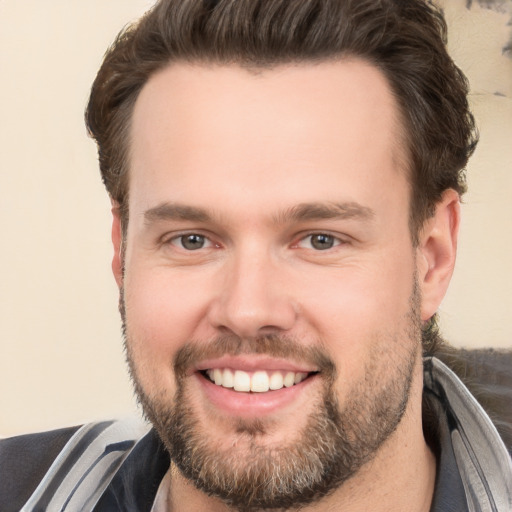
61	359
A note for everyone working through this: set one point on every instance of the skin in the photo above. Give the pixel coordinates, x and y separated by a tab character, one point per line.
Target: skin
247	148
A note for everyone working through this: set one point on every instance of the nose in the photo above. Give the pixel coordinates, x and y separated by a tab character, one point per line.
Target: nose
253	299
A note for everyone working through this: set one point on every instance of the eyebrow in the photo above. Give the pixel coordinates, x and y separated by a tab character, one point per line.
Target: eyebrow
325	211
176	211
300	213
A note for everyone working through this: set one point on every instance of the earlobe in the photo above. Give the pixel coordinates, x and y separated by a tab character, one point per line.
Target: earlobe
437	251
117	240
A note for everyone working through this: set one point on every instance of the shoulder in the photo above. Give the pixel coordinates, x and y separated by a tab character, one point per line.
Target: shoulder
24	460
68	468
487	373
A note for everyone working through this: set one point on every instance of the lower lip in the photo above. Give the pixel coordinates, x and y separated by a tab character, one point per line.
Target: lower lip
250	405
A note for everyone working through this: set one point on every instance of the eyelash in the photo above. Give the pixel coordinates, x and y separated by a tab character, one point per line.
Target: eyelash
178	240
175	240
336	241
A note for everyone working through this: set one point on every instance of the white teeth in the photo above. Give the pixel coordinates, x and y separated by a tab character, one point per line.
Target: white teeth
257	382
289	379
217	376
276	381
242	381
228	380
299	377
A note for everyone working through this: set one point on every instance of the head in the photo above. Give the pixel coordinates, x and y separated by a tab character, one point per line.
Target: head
285	179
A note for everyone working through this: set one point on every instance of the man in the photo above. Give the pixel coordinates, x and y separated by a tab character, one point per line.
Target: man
285	181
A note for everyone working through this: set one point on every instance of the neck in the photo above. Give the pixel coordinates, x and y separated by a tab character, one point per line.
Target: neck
400	477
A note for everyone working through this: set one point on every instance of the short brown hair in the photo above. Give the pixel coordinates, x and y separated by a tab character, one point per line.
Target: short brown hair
404	39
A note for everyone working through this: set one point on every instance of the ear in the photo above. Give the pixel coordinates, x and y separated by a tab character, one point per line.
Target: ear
117	241
436	252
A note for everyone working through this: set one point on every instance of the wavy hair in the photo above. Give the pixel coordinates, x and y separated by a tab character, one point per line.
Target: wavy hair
404	39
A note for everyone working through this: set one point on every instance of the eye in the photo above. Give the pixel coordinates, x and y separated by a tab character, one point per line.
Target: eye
191	242
319	241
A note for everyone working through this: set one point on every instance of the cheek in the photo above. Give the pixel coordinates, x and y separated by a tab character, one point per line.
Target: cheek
357	308
164	303
359	295
163	312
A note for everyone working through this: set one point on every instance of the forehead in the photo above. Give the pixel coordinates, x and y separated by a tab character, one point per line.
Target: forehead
208	125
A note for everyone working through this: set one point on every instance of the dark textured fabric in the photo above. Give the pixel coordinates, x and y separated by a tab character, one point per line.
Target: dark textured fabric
24	460
487	373
135	485
45	499
449	494
481	455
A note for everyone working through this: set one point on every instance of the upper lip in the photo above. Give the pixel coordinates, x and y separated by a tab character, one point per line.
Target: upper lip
251	363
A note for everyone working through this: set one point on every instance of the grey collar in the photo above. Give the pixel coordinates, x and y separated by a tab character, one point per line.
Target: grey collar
482	460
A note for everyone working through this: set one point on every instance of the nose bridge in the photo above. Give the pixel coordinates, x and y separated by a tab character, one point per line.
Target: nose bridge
252	299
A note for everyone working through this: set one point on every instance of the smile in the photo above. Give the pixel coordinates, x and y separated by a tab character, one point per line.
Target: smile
259	381
250	387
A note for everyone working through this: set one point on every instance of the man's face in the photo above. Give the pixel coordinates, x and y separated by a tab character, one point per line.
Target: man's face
268	247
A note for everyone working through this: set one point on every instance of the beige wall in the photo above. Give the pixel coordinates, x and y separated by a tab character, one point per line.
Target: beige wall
61	360
478	308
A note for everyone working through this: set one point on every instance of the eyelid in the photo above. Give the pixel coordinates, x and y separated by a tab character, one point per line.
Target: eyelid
338	239
173	239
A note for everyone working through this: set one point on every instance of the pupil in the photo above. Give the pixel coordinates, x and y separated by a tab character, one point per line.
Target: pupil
322	242
192	242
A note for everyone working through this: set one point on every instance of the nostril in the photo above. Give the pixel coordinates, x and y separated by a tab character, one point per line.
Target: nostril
250	322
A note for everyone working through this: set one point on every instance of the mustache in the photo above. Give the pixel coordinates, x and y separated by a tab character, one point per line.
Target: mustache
272	345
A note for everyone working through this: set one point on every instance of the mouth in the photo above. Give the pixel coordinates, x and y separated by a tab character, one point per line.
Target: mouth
258	381
255	385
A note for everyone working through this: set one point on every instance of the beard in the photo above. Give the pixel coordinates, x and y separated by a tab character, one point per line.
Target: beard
334	443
